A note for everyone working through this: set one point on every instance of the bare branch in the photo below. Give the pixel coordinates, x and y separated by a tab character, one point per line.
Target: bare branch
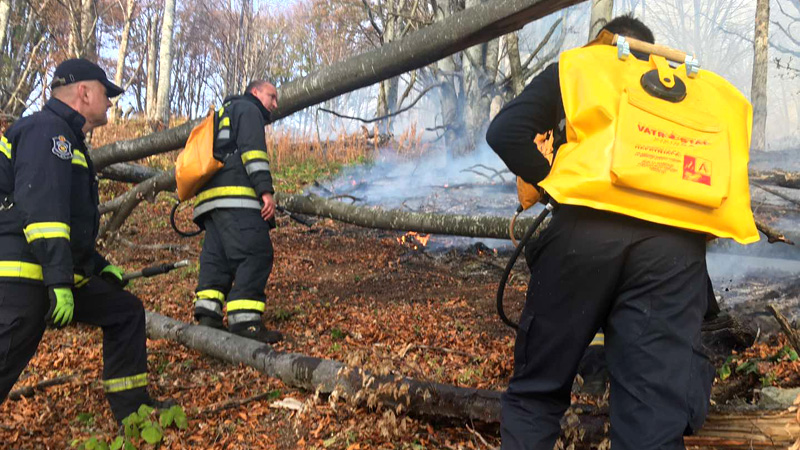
376	119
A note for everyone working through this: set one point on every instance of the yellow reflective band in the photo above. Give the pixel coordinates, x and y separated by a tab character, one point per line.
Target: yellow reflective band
79	159
227	191
599	339
46	230
221	111
254	154
79	280
125	383
5	147
225	122
210	294
250	305
19	269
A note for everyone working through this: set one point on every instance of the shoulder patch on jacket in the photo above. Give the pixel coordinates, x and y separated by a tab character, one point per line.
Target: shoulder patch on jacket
62	148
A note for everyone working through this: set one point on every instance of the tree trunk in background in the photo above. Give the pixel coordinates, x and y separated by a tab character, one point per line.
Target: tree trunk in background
515	64
5	13
479	66
758	93
387	101
152	58
165	63
123	53
601	15
88	42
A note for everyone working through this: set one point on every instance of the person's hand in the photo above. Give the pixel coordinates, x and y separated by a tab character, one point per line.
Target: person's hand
268	210
113	275
61	308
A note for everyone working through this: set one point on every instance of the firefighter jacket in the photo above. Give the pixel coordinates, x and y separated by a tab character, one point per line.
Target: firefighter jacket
48	200
240	143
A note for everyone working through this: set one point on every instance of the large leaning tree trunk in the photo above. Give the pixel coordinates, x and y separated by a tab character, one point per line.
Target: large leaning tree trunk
428	45
759	90
723	430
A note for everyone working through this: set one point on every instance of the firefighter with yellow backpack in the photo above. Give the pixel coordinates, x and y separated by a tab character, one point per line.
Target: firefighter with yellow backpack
655	163
225	165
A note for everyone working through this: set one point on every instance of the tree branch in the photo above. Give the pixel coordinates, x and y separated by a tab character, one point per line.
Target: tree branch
386	116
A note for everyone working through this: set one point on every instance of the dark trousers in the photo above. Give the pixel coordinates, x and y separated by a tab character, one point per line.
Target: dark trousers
646	286
120	315
235	265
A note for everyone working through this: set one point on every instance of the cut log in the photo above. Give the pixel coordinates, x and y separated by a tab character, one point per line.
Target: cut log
723	429
418	49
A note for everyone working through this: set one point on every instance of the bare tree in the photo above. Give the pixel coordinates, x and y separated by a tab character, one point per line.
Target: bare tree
122	54
162	110
601	15
758	94
5	13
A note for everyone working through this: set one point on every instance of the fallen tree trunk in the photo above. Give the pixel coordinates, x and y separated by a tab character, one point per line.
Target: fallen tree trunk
470	226
329	377
128	173
372	217
782	179
762	429
418	49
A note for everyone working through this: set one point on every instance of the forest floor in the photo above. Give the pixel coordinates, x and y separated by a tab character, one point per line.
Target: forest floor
364	297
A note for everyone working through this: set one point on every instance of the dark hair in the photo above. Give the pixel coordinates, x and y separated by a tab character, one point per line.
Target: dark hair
627	25
255	84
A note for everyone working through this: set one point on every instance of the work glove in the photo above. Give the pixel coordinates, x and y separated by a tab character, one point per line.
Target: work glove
61	308
113	275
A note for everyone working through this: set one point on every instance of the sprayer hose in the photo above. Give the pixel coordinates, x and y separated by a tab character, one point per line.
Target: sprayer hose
511	261
175	225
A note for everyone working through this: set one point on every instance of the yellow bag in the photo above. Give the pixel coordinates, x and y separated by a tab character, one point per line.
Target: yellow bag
196	163
682	164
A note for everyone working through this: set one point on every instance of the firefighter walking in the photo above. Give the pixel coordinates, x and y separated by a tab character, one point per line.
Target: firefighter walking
50	272
237	210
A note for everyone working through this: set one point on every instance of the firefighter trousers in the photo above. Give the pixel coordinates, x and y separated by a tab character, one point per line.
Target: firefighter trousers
235	264
646	285
117	312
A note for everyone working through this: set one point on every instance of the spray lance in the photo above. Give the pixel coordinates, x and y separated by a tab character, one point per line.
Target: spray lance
158	269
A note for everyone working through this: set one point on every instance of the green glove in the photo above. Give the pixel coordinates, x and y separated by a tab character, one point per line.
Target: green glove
61	307
113	274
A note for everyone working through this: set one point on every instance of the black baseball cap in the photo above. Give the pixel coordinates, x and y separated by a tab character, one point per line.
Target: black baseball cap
79	69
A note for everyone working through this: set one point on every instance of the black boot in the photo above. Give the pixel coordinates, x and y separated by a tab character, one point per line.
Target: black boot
594	371
256	331
212	322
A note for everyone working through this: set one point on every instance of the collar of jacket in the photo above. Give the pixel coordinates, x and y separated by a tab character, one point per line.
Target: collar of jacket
75	120
265	114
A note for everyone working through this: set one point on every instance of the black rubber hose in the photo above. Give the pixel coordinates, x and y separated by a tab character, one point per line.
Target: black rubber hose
175	225
511	261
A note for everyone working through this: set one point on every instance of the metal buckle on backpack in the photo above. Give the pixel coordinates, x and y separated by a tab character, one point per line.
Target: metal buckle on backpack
6	204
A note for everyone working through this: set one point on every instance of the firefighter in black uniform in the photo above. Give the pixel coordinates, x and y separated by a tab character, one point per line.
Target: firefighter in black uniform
50	272
237	210
590	269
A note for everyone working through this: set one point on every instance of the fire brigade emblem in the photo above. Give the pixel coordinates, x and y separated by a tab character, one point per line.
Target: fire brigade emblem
62	148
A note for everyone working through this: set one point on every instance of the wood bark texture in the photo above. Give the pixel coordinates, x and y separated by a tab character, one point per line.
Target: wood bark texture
165	63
